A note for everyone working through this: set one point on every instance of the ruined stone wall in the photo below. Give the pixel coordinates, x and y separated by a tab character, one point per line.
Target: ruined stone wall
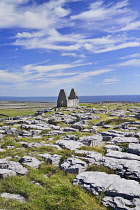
73	102
64	101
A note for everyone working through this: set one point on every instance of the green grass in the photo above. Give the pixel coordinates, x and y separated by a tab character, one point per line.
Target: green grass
124	146
17	112
118	121
95	149
100	168
57	192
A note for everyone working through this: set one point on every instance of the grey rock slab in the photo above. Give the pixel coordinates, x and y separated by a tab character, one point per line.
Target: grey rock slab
30	161
53	159
91	156
17	197
54	127
137	134
94	128
93	140
117	140
134	148
120	203
110	184
123	167
73	165
68	129
123	125
56	132
108	134
38	127
33	144
72	137
112	147
123	133
77	126
5	173
13	166
122	155
13	131
69	144
137	116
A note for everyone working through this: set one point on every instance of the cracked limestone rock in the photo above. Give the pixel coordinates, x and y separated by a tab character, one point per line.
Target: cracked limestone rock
13	166
30	161
112	186
73	165
69	144
17	197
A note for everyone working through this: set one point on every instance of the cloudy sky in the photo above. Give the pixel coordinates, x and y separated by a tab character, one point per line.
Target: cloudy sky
47	45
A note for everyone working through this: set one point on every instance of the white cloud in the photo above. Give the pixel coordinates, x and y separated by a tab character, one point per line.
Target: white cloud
61	74
73	55
117	47
12	14
131	56
77	78
6	76
131	26
132	62
109	81
100	16
41	24
47	68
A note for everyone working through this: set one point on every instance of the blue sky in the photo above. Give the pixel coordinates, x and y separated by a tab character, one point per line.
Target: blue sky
92	46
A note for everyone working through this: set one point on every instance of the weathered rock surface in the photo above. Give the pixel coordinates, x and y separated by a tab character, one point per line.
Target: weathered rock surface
120	193
69	144
13	166
37	127
120	203
93	140
123	167
5	173
17	197
68	129
53	159
112	147
73	165
90	157
122	155
30	161
118	140
134	148
32	144
112	186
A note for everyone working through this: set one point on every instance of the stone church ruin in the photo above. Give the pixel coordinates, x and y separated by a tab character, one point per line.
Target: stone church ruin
65	101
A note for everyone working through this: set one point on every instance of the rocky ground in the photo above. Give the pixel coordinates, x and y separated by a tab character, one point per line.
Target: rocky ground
99	143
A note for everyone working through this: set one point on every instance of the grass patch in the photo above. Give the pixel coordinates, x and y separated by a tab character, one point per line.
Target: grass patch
95	149
117	121
17	112
100	168
57	192
124	146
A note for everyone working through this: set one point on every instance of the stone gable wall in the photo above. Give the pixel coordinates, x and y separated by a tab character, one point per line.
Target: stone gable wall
64	101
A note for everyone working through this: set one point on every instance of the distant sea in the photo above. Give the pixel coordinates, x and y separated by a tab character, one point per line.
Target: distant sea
83	99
